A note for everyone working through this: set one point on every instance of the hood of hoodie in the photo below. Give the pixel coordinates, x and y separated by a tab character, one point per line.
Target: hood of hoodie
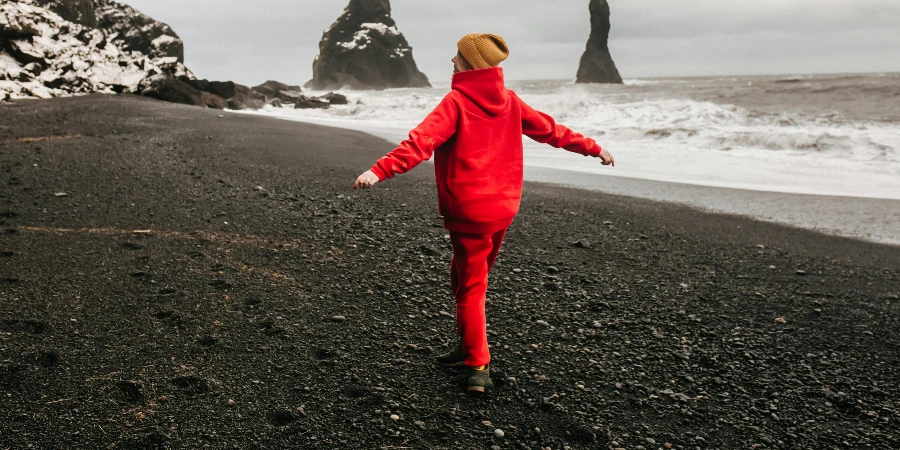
485	88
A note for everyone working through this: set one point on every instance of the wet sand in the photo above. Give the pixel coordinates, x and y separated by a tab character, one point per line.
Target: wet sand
876	220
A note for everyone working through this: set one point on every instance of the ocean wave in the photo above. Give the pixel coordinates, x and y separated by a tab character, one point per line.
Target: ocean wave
626	117
662	133
791	80
826	150
646	82
858	147
813	141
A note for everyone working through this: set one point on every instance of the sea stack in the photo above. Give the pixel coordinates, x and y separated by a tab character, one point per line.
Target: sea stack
597	65
364	50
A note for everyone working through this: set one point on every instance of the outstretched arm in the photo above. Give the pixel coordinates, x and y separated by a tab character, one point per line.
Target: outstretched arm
542	128
436	129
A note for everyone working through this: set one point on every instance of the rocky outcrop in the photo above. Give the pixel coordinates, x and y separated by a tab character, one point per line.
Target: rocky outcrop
335	99
224	89
284	92
50	48
78	11
246	98
597	65
137	32
305	102
177	91
321	102
133	30
364	50
232	95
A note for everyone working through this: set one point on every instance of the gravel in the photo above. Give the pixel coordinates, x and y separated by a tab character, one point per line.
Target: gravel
171	324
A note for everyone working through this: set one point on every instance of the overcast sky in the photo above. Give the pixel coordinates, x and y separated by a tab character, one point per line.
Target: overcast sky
252	41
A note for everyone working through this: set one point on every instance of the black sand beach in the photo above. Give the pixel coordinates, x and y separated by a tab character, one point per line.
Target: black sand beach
174	277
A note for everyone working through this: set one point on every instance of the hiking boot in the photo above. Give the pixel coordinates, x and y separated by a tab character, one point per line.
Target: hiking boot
479	378
453	358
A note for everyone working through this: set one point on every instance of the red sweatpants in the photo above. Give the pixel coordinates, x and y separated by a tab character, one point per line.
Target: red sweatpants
473	257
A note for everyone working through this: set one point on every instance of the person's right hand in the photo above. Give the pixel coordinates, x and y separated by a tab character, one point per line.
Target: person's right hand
606	158
366	180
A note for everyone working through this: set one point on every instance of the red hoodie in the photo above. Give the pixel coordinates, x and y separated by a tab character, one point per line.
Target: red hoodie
475	134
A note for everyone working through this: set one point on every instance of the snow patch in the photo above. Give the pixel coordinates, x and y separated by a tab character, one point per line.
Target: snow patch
381	28
163	40
65	58
400	52
363	38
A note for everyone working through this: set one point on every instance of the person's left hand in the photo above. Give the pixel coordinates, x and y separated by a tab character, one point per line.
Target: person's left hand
607	158
366	180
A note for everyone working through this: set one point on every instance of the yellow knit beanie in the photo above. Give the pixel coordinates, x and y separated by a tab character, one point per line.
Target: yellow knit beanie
483	50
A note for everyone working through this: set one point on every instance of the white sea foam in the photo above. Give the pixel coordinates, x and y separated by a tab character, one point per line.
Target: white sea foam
669	137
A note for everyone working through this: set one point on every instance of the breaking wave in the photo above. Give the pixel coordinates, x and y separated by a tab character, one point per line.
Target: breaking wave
647	123
621	117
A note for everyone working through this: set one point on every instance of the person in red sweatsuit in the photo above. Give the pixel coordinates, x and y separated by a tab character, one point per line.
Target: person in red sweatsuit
475	135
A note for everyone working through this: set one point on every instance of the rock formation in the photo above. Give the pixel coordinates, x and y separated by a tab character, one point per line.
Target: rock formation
364	50
177	91
233	95
224	89
284	92
335	99
305	102
78	11
597	65
321	102
137	32
61	47
246	98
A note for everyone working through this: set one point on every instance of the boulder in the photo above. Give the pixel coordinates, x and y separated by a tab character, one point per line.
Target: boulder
176	91
276	102
597	65
236	96
335	99
364	50
274	89
224	89
305	102
246	98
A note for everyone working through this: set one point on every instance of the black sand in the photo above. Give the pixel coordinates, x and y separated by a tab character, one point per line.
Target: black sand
216	328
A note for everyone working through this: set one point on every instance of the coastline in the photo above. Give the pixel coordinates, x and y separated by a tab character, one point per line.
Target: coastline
188	278
871	219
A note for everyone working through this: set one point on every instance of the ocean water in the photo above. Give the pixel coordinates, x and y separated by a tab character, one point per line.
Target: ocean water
836	135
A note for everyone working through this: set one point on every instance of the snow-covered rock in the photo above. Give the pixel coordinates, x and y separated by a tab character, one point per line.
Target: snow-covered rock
364	50
101	46
137	31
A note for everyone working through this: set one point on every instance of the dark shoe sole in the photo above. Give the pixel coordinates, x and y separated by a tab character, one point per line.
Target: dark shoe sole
476	389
